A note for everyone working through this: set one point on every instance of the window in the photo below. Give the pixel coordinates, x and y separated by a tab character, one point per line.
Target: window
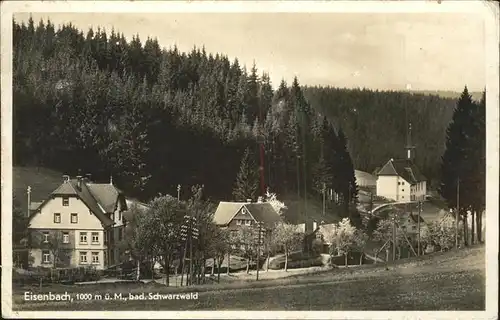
83	256
65	237
402	197
403	190
399	183
238	222
414	227
119	215
45	256
57	218
243	211
74	218
83	237
45	237
95	257
65	201
112	216
120	231
95	237
248	222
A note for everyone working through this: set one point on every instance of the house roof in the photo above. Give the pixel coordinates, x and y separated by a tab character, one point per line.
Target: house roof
365	176
226	211
106	195
403	168
262	212
35	205
91	199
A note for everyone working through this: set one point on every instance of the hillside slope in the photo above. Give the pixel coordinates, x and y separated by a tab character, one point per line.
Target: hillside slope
41	180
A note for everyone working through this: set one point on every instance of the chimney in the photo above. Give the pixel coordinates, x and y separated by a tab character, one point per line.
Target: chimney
79	182
249	200
260	199
65	178
88	176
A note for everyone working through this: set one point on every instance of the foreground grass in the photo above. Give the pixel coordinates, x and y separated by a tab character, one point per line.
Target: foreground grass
449	281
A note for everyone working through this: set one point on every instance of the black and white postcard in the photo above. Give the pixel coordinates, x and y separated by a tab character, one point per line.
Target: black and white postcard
253	159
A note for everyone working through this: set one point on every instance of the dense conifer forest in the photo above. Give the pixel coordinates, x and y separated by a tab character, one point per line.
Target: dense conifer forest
90	101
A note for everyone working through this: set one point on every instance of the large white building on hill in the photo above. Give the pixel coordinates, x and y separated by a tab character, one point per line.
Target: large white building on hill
400	179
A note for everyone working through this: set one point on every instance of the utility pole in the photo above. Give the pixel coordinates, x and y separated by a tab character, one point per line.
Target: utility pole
259	237
394	238
324	198
457	212
418	227
28	191
184	237
193	234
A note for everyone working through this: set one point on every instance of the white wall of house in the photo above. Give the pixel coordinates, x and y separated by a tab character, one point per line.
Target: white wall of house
387	187
45	218
404	194
86	223
394	188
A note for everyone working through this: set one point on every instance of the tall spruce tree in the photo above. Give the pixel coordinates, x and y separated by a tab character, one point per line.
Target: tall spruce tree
322	170
348	189
475	167
247	180
454	164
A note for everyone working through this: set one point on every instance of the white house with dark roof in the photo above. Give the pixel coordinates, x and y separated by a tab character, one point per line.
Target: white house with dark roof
233	215
401	181
83	219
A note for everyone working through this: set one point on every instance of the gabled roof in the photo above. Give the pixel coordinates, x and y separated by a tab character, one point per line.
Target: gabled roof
262	212
226	211
91	200
35	205
406	169
105	194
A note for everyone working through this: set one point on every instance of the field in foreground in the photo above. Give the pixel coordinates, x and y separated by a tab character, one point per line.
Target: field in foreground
443	281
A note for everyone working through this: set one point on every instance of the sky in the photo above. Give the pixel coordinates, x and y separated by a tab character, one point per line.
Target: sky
384	51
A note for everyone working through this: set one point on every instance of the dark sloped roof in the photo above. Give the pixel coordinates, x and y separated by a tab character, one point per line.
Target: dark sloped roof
71	188
403	168
226	211
263	212
65	189
105	194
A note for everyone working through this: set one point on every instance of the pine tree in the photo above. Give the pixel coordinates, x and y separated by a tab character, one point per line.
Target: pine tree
322	171
246	186
475	166
454	165
348	189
